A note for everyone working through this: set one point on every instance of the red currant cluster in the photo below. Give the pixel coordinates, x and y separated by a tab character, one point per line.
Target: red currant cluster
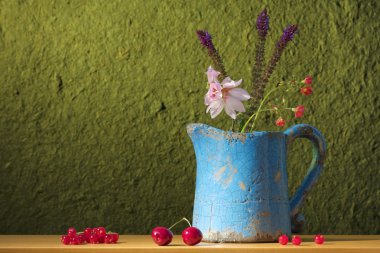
296	240
89	235
162	236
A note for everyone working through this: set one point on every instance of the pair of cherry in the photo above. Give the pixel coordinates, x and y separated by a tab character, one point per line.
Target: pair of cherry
296	240
162	236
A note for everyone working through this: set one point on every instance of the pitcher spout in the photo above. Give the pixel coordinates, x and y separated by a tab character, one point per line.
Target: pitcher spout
194	128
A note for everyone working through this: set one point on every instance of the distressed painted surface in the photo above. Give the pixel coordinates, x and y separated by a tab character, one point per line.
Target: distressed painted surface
242	184
95	97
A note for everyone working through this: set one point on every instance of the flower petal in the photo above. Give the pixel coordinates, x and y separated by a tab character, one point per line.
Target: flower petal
230	111
231	83
215	108
207	99
216	112
239	93
212	75
226	80
234	104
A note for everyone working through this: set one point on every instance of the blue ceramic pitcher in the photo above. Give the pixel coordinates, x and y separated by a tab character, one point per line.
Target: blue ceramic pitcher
242	185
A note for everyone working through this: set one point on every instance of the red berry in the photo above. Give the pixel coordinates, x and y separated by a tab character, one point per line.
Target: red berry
101	231
71	232
280	122
65	239
87	231
192	236
82	238
93	239
307	90
115	237
108	238
308	80
101	239
298	111
74	240
283	240
319	239
162	236
296	240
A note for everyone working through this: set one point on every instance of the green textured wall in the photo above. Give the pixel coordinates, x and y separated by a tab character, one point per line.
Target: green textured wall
95	97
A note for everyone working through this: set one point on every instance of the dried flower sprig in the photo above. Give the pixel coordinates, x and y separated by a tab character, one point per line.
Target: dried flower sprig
206	41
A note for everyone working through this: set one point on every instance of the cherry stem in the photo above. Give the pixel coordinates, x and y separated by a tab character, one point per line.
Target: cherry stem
183	219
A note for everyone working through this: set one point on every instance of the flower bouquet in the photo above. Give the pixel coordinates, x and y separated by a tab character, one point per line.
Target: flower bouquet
223	92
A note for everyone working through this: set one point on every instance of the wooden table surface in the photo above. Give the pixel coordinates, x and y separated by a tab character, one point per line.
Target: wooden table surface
144	243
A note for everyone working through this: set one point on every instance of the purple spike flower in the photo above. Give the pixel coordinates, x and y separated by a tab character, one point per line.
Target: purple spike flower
262	23
206	41
287	35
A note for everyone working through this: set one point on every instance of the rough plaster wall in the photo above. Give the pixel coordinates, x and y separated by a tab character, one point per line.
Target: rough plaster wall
95	96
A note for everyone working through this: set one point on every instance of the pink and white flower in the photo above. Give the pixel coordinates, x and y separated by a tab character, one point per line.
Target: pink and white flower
225	95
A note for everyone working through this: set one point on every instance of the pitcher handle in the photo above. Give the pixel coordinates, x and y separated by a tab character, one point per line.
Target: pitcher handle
319	154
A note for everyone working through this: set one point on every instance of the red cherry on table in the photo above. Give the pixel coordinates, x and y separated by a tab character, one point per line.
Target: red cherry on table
65	239
283	240
192	236
162	236
71	232
296	240
319	239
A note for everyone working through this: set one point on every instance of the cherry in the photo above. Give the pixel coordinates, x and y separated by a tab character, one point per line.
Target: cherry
296	240
65	239
93	239
192	236
71	232
283	240
162	236
319	239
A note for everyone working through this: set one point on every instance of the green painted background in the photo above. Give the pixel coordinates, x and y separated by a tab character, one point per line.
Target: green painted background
95	97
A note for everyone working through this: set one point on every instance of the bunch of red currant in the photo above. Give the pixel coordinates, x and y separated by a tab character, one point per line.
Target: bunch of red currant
89	235
162	236
296	240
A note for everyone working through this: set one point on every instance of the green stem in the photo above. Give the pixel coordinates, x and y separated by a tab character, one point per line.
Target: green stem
261	105
247	122
183	219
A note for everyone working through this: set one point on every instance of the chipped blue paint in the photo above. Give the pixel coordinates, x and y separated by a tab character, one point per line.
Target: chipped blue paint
242	186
